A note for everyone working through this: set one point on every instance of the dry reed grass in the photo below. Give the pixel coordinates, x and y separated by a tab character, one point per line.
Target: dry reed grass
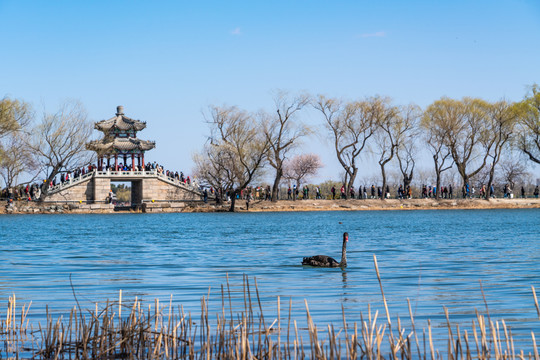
133	331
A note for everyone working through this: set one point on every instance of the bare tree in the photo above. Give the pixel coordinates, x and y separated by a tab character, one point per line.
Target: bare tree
424	176
529	140
236	151
14	115
435	138
212	166
463	126
15	159
394	176
394	125
512	170
451	176
58	142
350	126
502	117
302	167
282	132
406	155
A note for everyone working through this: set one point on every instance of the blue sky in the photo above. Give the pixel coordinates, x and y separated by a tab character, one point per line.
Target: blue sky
166	61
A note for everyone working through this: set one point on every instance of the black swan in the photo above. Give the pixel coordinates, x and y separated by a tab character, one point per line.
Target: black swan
327	261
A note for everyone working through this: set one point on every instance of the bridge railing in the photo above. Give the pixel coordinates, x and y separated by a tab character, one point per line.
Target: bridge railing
130	173
123	174
72	180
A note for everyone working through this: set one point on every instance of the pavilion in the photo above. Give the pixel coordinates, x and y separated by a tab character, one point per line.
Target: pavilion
156	190
120	141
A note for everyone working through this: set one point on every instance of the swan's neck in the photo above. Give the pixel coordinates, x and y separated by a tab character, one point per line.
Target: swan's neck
343	261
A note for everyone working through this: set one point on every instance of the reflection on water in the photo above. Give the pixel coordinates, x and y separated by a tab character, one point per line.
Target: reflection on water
432	258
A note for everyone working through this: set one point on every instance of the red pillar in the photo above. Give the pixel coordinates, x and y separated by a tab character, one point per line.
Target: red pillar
142	160
132	161
108	161
115	162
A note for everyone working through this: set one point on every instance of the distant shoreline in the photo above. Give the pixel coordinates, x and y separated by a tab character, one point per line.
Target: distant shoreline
23	207
388	204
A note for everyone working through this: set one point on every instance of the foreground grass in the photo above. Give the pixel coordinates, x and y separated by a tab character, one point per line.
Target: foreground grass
134	331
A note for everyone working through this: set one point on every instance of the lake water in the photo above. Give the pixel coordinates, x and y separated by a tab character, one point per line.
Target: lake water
434	258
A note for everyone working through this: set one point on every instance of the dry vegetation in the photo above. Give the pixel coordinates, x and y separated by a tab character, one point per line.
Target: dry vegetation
132	331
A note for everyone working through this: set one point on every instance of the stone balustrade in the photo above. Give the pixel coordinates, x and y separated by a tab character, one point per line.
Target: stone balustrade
122	175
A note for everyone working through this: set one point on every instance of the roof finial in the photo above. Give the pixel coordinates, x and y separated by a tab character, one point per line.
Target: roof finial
119	110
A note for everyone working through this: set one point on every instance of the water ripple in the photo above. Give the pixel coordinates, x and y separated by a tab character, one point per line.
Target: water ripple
433	258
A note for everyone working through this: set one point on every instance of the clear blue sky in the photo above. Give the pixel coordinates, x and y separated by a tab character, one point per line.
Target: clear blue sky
166	61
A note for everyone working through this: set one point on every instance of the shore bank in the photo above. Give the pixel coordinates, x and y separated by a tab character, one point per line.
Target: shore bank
389	204
24	207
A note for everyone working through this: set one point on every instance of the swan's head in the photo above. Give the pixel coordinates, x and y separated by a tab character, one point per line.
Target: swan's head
345	237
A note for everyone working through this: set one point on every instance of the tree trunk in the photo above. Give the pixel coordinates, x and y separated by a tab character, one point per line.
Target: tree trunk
383	190
437	176
406	181
465	184
219	196
47	184
233	200
350	184
463	172
275	187
438	185
44	191
490	181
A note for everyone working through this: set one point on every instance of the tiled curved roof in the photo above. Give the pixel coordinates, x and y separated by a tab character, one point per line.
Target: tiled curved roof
120	122
120	144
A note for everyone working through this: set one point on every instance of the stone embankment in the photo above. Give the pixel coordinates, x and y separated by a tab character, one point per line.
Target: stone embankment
376	204
396	204
23	207
283	205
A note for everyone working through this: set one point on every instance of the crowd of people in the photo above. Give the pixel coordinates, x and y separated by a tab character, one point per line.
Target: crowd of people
178	176
295	192
151	167
32	192
27	192
248	194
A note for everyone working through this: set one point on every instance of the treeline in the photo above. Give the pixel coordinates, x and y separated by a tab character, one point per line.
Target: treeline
470	136
474	137
41	146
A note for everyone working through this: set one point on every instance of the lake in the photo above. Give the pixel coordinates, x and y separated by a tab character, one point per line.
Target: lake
434	258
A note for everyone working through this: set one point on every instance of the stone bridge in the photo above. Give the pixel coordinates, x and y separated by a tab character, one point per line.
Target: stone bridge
146	186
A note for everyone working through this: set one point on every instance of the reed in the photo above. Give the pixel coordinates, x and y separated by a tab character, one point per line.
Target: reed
134	330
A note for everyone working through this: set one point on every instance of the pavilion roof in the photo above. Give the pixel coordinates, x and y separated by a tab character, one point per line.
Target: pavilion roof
120	144
121	122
